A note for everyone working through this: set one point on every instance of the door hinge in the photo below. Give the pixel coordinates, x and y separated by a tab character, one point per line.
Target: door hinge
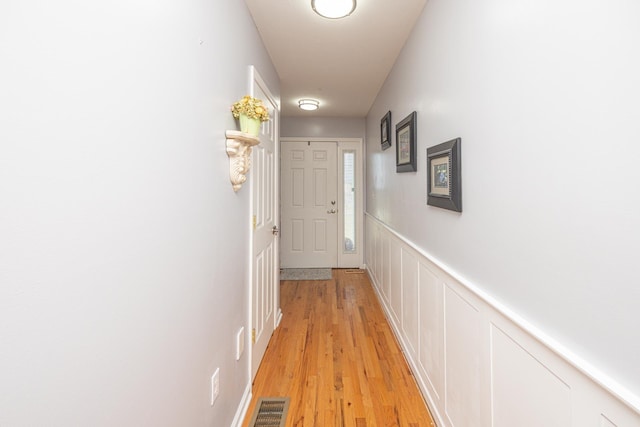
253	222
253	336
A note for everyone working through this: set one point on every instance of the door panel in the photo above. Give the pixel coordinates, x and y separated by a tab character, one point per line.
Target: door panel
264	247
309	204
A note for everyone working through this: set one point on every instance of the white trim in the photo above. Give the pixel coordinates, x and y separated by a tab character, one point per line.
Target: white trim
397	333
576	361
356	144
474	359
351	260
243	407
254	76
278	317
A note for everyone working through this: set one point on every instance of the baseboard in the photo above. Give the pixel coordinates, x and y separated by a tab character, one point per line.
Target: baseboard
431	403
243	407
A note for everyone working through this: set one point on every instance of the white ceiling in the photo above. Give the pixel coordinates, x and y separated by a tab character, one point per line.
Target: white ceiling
340	62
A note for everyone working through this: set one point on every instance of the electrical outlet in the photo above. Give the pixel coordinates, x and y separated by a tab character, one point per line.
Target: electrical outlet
240	343
215	385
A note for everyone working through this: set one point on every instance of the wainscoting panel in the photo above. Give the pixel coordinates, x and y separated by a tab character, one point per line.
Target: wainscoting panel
410	301
431	326
525	392
476	362
463	349
385	270
395	280
380	266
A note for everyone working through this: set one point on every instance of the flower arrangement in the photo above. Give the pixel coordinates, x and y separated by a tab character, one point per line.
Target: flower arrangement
251	107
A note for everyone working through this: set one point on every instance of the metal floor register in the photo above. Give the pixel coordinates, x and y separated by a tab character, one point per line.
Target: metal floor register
270	412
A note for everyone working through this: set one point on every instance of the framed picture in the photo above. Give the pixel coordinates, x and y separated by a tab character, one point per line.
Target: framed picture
406	144
385	131
444	187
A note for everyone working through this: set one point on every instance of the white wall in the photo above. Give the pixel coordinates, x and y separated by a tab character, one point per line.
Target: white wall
118	225
323	127
544	96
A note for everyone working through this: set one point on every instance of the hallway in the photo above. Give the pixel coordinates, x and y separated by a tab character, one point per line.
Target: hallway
335	355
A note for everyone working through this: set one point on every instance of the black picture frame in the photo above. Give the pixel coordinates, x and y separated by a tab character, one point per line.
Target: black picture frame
444	175
406	144
385	131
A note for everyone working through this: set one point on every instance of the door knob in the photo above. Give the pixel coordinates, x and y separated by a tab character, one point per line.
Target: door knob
332	211
275	230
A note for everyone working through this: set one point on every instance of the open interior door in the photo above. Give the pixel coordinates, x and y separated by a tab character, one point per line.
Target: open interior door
265	271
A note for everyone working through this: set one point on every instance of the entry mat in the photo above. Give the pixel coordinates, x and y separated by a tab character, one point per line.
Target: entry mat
305	274
270	412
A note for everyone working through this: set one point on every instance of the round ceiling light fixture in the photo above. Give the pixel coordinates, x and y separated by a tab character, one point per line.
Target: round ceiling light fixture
308	104
333	9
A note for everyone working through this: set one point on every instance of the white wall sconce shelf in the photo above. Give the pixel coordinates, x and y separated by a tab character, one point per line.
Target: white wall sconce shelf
239	151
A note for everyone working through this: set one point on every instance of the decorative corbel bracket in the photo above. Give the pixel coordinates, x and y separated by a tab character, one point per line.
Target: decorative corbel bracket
239	151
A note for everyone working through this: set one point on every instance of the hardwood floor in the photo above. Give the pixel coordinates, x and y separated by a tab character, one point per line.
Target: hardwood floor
335	356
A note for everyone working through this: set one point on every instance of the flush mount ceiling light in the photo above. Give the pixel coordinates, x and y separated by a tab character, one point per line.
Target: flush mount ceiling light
333	9
308	104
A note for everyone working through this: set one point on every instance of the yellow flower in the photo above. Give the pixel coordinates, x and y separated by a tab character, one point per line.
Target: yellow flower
252	107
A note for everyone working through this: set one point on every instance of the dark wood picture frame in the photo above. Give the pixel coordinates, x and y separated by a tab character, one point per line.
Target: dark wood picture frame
444	177
406	144
385	131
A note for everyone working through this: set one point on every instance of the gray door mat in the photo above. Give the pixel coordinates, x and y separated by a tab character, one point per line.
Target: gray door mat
305	274
270	412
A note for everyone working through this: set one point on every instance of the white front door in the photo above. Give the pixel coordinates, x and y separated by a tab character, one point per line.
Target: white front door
309	198
265	273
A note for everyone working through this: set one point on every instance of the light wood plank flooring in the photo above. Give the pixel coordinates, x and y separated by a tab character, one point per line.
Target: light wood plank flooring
335	356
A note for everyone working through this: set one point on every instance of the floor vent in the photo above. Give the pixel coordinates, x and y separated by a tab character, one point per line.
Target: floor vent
270	412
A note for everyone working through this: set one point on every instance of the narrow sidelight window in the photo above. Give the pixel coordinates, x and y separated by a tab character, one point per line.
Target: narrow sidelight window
349	208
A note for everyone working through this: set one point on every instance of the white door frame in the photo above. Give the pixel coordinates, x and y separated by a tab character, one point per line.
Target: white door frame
355	259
